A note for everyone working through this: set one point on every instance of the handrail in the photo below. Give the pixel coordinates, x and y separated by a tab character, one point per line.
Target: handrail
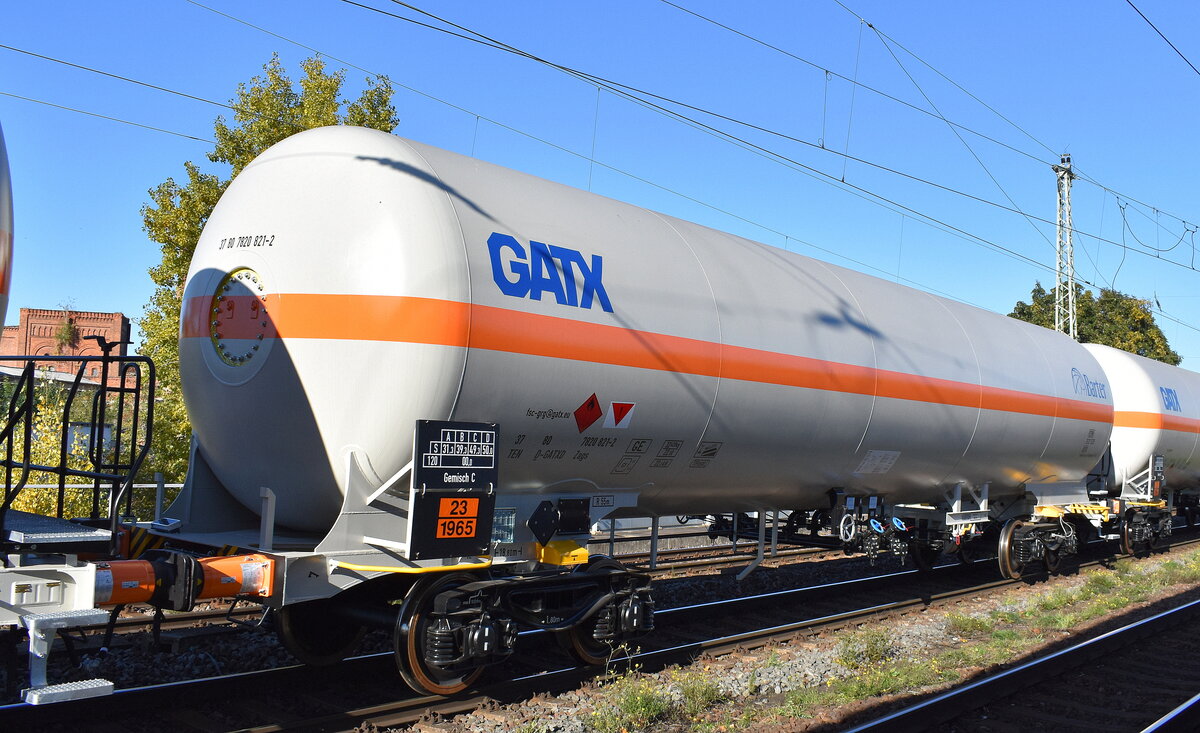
115	452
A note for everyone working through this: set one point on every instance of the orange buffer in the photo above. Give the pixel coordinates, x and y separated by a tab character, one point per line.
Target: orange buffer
125	581
178	581
233	575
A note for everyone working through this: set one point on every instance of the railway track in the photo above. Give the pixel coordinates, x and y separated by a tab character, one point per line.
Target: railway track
1113	682
350	694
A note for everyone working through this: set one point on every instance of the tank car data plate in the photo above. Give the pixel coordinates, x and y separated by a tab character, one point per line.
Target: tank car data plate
453	489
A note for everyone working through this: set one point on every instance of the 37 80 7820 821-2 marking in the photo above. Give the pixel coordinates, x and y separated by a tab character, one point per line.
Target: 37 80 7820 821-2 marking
251	240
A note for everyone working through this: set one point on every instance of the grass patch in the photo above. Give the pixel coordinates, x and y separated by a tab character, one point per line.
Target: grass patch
636	702
633	702
1055	599
1099	582
968	626
865	648
699	692
899	676
885	678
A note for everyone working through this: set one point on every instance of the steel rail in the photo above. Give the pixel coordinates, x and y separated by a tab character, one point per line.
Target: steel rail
412	709
935	711
1183	719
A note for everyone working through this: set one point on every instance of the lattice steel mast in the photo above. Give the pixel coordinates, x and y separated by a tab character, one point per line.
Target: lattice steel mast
1064	254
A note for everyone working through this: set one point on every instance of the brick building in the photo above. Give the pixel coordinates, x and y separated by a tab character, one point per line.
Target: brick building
37	334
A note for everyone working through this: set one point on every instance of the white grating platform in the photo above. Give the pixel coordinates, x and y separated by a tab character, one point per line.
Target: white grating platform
67	691
63	619
34	529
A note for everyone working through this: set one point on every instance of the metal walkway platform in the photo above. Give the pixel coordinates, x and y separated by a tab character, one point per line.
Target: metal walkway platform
49	534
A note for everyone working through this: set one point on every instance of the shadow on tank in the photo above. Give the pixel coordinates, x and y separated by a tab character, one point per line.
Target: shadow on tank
427	178
253	425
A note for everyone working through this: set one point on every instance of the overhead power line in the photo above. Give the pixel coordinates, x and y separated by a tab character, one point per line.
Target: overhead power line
632	93
1079	174
628	92
107	117
848	80
1164	37
854	190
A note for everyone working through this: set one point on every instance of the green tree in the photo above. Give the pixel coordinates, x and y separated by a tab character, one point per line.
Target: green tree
268	109
1112	318
45	448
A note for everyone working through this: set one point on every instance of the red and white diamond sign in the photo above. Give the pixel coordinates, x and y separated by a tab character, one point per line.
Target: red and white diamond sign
619	414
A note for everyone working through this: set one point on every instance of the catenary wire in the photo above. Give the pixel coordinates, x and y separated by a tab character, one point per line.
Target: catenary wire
1079	173
871	195
958	135
867	193
853	190
1164	37
107	117
752	147
845	78
588	77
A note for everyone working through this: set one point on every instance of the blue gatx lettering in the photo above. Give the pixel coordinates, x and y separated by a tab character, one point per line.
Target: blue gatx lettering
558	271
1170	399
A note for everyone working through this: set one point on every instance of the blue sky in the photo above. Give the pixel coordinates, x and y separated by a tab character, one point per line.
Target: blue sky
1086	77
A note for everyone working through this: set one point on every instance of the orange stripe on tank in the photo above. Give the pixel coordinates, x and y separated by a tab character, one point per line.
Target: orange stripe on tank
450	323
1155	421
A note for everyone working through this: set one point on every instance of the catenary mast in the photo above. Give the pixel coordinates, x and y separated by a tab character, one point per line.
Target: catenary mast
1064	254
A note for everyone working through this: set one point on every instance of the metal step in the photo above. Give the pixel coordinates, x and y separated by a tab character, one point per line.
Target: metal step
67	691
50	534
42	630
64	619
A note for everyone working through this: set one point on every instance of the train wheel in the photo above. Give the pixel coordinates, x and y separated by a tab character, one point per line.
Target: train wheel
311	632
1006	550
579	641
1129	546
411	639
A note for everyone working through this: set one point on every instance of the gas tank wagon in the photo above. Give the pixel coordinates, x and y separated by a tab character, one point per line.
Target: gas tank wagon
417	379
350	283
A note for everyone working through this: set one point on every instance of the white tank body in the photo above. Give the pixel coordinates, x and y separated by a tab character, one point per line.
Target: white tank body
6	227
1156	412
403	282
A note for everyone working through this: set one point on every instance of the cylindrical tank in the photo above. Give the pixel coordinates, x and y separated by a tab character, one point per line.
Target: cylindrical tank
350	282
1156	412
6	227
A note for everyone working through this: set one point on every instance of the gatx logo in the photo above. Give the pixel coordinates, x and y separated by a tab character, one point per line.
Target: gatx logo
1170	399
559	271
1085	386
